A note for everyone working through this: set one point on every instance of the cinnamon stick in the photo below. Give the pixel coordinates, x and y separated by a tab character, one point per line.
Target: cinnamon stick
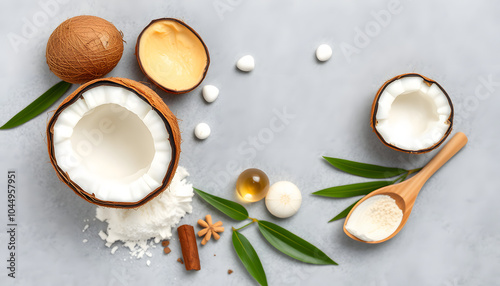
189	247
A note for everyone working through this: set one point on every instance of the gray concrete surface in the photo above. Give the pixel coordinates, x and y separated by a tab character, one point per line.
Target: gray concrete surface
453	235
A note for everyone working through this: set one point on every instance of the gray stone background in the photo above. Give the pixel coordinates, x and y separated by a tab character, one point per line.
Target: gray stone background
453	235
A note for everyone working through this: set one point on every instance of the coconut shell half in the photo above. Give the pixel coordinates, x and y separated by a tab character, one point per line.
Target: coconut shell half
426	84
169	79
157	105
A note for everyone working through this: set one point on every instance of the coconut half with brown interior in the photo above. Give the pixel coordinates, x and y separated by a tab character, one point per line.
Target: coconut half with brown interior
114	142
172	55
412	113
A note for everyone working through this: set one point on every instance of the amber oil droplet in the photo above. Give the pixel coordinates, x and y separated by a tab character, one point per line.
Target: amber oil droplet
252	185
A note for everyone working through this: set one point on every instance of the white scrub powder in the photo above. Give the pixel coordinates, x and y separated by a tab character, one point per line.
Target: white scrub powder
154	220
375	219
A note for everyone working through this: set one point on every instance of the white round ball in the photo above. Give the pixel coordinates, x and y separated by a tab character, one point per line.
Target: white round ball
202	131
246	63
323	52
283	199
210	93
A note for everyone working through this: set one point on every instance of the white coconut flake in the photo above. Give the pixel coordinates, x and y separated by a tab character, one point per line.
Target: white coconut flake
85	228
137	229
85	240
148	263
103	235
114	249
140	254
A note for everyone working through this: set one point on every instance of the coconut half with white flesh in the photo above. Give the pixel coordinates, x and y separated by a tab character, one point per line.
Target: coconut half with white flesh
412	113
114	142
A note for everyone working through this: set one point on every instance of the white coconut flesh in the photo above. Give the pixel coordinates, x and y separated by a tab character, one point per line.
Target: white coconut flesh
412	115
112	144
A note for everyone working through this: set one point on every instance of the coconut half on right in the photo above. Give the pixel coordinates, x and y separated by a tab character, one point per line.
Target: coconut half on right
412	114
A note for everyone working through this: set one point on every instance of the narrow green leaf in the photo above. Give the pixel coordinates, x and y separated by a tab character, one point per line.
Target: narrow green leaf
292	245
229	208
38	106
249	257
344	213
364	170
352	190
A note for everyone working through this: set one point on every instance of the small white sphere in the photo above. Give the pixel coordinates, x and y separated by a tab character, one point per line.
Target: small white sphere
210	93
283	199
246	63
202	131
323	52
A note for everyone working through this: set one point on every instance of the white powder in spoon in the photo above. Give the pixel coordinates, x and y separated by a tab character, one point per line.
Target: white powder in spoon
153	221
375	219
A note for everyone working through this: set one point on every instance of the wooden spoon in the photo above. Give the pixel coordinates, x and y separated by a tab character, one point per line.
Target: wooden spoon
405	193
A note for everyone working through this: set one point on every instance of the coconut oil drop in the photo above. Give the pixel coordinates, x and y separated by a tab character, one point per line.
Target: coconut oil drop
252	185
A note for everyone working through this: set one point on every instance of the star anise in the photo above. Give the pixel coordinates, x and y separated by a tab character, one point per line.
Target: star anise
209	229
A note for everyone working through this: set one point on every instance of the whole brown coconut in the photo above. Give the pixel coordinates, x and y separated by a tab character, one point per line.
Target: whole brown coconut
84	48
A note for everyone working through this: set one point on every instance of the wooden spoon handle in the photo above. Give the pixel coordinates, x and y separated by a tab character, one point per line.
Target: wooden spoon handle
451	148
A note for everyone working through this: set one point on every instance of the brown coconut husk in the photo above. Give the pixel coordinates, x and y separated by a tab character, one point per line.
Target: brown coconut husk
166	88
156	103
373	120
84	48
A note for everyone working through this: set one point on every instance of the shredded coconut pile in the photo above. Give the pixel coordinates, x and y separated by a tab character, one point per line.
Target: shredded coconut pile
153	221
